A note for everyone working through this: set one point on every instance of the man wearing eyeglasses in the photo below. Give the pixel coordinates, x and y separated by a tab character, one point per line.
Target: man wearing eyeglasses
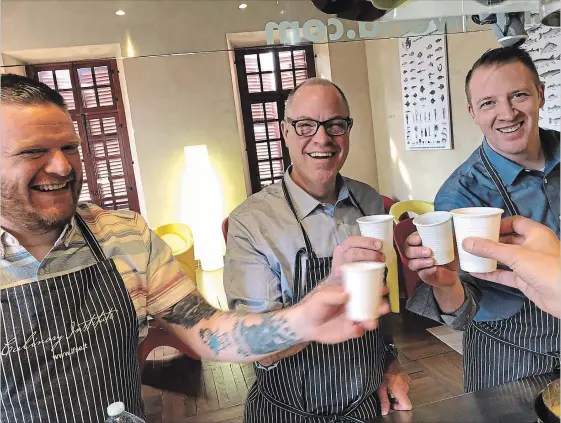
282	242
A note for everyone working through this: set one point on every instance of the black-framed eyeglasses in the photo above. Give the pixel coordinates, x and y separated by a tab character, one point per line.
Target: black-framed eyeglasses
309	127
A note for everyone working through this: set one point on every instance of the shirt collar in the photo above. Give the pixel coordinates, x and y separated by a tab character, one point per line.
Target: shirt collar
65	237
551	150
509	170
304	202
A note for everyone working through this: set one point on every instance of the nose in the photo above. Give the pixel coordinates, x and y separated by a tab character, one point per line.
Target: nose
58	164
322	136
506	111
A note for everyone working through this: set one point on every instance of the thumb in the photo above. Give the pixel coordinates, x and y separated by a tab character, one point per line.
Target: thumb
384	400
503	277
489	249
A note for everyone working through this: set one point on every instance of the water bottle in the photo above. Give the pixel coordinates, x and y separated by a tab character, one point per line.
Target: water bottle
117	414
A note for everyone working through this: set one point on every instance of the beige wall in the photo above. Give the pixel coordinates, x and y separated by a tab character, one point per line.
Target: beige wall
419	174
177	102
349	71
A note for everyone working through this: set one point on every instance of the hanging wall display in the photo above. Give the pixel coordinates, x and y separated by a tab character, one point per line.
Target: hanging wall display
425	92
543	45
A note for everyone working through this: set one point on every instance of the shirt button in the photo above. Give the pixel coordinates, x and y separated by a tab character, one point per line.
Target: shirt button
545	180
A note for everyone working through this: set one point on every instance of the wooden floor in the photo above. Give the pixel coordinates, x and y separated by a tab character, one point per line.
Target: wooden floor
179	390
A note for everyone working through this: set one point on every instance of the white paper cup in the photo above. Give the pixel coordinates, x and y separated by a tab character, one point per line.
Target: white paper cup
379	227
481	222
363	281
435	230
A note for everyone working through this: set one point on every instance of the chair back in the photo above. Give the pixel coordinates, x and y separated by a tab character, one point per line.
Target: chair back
388	203
410	278
416	206
180	239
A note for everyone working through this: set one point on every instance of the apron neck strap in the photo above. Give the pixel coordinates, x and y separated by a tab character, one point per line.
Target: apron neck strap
511	207
309	249
355	203
90	239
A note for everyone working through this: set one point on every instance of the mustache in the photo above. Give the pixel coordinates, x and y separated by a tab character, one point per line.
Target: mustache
55	181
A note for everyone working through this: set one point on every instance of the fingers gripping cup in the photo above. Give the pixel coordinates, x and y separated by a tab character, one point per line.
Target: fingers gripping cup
379	227
481	222
364	282
435	230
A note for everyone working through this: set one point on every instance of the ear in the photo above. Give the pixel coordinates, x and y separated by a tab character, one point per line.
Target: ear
284	128
541	93
470	111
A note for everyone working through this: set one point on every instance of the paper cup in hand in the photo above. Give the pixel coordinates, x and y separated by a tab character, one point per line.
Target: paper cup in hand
481	222
364	282
379	227
435	230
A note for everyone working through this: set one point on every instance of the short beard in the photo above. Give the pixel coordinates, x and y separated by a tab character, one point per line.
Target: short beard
23	217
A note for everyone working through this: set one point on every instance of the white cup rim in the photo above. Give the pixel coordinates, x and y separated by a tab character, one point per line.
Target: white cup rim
442	217
376	218
363	265
476	212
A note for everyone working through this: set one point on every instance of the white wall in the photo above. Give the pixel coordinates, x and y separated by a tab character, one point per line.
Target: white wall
419	174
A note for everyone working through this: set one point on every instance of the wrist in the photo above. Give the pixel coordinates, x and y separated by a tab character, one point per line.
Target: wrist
451	287
450	297
300	325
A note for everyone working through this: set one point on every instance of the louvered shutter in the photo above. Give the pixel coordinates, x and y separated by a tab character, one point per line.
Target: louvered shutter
265	78
91	92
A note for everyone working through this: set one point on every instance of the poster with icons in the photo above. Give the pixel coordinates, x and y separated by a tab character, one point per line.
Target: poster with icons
425	92
543	45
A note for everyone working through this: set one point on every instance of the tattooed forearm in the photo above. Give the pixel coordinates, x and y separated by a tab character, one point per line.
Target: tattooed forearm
190	311
269	334
229	335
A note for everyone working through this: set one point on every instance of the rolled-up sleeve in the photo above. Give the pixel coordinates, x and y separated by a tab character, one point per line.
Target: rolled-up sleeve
251	285
422	302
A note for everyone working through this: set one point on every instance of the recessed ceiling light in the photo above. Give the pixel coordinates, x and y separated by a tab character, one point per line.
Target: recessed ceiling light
242	6
120	12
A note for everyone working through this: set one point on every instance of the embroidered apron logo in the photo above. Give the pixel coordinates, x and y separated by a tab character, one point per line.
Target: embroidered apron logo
32	341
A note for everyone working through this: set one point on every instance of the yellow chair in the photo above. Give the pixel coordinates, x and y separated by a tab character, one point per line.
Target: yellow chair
416	206
180	239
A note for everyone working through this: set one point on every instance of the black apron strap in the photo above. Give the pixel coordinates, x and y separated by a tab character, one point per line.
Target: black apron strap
511	207
309	248
90	239
355	203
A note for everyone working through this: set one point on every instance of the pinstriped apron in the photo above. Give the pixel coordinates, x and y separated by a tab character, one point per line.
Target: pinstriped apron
68	346
322	383
502	351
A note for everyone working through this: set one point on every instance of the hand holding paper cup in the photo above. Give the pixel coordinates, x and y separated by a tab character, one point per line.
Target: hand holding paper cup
364	281
379	227
435	230
481	222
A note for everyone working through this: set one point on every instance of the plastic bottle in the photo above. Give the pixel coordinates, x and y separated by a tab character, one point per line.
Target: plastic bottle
117	414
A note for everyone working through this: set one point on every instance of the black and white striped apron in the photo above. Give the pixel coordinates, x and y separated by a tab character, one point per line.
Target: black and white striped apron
502	351
322	383
68	345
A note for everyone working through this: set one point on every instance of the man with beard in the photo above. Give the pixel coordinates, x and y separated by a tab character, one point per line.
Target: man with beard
77	283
